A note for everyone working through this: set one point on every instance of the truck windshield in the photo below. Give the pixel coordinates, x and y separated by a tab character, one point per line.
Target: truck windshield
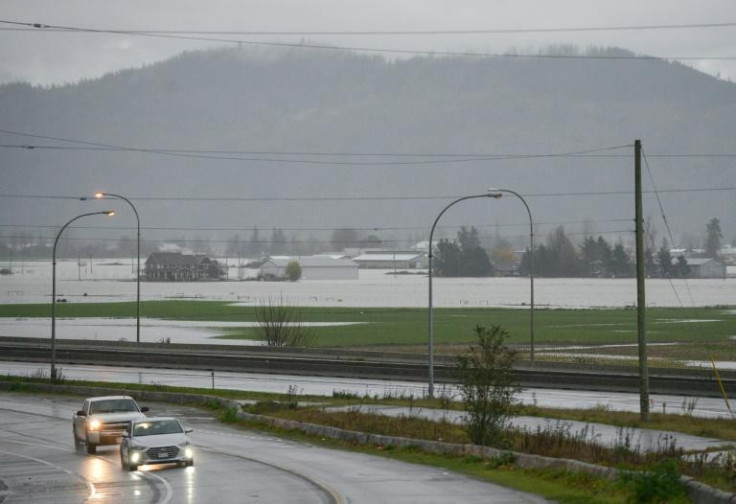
113	406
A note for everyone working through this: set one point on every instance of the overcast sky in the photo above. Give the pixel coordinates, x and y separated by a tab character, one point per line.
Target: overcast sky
54	57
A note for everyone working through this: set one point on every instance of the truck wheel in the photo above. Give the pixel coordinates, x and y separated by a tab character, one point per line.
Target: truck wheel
91	448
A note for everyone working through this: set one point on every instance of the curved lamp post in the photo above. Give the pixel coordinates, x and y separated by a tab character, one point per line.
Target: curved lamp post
109	213
430	389
498	193
101	195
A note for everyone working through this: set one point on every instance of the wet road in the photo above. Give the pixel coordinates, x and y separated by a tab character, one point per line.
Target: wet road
38	464
314	385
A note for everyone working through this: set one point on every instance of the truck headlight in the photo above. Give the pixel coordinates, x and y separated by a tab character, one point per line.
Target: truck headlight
94	424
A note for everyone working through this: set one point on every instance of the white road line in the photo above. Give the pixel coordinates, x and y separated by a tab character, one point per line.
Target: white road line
92	489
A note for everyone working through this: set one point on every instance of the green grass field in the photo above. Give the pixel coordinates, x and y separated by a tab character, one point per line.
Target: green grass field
408	326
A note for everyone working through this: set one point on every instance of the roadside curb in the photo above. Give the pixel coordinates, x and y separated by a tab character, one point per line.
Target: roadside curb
699	492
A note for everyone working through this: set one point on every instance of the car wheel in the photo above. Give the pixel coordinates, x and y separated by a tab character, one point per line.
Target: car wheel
91	448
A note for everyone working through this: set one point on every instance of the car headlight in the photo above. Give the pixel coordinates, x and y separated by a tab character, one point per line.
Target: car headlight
135	457
188	453
94	424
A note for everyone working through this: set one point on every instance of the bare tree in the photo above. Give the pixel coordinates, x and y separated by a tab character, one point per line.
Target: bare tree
282	325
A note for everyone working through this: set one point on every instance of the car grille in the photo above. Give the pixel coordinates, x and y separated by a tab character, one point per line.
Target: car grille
114	427
171	452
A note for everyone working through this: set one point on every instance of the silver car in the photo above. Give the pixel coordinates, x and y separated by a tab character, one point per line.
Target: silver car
157	440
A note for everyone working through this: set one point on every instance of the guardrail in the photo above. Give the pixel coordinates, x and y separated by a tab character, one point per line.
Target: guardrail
360	364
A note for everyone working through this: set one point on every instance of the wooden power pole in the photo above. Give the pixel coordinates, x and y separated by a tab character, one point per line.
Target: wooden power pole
641	303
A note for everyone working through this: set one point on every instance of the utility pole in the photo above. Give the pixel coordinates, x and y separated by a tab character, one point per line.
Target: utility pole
641	304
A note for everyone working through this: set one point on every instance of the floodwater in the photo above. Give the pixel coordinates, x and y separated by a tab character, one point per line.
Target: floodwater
113	280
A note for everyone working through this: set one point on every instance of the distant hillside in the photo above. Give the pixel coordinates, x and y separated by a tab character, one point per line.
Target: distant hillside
301	101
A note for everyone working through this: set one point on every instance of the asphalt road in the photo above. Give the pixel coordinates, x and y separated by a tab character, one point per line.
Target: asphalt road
314	385
38	464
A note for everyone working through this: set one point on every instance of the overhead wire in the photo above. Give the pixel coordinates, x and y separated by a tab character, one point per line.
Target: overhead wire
469	156
205	155
335	48
302	199
669	229
21	26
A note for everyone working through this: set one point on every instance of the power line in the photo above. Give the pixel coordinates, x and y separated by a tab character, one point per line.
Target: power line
491	31
284	242
302	45
298	199
371	228
470	157
206	154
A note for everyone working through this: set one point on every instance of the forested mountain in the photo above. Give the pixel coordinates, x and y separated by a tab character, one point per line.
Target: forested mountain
300	101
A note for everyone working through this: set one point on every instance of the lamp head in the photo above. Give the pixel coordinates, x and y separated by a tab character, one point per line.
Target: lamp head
494	193
109	213
99	195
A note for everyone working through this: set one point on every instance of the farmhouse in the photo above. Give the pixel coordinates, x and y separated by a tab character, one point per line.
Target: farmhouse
313	268
178	267
392	259
706	268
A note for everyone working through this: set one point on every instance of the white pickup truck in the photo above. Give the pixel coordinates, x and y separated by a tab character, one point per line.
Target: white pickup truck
103	420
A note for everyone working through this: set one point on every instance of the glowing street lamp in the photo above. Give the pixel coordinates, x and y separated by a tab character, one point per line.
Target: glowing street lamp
100	195
109	213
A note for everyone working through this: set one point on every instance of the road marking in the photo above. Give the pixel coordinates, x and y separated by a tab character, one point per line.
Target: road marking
92	489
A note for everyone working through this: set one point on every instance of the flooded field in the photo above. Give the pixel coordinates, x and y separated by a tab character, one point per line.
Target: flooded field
113	280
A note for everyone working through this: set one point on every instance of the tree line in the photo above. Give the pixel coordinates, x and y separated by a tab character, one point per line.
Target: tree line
560	257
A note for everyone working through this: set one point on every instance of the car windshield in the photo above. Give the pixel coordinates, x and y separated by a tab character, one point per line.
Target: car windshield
154	427
113	406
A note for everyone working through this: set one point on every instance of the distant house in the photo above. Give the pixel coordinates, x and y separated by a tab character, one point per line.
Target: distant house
706	268
313	268
178	267
392	259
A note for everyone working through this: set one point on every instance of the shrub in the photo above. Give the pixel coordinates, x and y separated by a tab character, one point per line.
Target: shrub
488	386
281	325
661	484
293	271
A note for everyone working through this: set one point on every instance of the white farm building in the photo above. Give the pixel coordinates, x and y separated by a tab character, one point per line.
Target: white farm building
389	259
313	268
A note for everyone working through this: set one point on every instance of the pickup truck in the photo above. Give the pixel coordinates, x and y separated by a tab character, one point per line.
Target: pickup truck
103	420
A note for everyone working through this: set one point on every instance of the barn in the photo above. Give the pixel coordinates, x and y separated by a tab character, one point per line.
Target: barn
313	268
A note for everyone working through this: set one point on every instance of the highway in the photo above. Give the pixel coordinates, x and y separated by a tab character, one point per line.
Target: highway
38	464
326	386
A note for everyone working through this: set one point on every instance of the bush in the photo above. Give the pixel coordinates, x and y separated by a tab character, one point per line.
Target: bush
488	386
293	271
661	484
281	325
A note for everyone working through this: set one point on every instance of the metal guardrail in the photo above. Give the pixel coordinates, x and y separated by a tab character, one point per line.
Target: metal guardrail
354	364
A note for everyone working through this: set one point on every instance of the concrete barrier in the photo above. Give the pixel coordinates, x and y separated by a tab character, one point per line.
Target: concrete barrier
699	493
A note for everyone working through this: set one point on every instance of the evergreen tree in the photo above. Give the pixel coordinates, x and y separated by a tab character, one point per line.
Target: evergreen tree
713	238
621	265
278	242
664	260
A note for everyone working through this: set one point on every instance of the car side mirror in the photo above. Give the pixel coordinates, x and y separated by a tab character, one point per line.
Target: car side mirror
145	409
187	431
81	413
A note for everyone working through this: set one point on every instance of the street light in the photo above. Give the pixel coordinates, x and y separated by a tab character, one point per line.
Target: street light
109	213
498	194
101	195
430	389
